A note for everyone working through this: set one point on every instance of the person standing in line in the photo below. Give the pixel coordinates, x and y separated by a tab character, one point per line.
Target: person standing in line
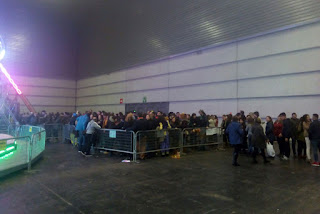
286	134
301	140
295	124
244	136
277	131
223	129
81	124
306	126
270	129
314	136
250	122
259	140
235	133
90	135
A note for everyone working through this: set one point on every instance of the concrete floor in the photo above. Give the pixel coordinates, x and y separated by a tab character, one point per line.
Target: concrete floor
201	182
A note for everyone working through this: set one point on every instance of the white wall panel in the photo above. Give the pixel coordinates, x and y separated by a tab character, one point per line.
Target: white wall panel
294	62
204	75
148	70
103	79
49	109
218	55
45	91
287	66
204	92
54	101
160	95
218	107
102	89
274	106
103	99
288	40
106	108
51	95
37	81
299	84
148	83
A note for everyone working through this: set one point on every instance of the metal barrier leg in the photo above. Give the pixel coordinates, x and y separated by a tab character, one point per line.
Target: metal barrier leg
134	149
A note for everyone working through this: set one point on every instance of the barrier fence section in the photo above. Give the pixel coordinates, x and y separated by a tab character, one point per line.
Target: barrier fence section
69	134
144	142
21	151
115	140
54	132
15	154
201	136
158	141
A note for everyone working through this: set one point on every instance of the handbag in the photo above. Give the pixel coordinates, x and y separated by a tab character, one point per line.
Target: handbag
270	150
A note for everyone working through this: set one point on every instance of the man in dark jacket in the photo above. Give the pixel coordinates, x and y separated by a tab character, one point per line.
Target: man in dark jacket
235	133
286	134
295	123
314	136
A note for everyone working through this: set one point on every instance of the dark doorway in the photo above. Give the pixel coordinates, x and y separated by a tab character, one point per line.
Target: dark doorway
144	107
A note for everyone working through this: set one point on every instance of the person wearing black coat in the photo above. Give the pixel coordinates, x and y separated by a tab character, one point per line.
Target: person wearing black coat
194	121
286	134
269	130
259	140
314	136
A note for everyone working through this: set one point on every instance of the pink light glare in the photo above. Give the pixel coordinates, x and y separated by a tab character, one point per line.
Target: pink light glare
4	71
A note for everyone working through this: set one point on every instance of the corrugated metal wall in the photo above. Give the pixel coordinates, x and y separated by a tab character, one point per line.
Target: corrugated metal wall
38	42
120	34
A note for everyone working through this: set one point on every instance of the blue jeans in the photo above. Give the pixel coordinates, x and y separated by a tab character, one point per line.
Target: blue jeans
165	144
81	141
315	147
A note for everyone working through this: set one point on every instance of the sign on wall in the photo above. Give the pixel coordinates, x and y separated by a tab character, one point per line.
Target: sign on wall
121	100
144	100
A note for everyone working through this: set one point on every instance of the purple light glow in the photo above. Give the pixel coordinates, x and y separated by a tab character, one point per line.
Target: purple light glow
4	71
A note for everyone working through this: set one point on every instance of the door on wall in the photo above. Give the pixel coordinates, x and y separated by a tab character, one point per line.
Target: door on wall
144	107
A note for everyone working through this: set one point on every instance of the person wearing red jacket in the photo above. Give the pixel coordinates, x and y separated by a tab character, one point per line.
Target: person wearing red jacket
277	131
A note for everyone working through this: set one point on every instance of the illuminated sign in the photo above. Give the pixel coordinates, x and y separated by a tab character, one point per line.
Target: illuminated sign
3	69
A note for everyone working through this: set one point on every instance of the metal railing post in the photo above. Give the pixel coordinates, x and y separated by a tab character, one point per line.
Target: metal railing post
30	152
134	144
181	141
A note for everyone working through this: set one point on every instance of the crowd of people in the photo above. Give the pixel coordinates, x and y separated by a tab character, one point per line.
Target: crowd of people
247	132
243	132
137	122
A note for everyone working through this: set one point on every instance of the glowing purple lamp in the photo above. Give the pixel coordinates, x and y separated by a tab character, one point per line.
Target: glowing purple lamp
3	69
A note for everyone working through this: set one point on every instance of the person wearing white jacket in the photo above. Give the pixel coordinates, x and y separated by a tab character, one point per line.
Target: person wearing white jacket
90	130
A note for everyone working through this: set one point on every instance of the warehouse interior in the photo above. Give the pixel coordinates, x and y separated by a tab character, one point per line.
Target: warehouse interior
219	56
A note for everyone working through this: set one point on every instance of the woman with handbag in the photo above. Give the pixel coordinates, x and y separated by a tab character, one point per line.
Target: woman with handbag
269	129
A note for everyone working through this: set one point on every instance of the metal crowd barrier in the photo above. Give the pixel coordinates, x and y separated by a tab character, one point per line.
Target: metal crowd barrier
69	134
54	132
117	141
29	144
144	142
158	141
201	136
